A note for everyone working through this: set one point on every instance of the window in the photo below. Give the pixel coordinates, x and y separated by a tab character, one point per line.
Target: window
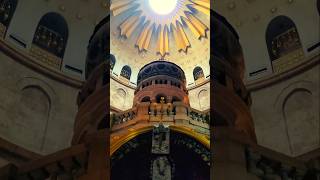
52	34
126	72
7	9
112	61
161	98
146	99
282	38
175	99
197	73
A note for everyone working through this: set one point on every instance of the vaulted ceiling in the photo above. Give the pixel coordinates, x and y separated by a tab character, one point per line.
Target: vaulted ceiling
140	34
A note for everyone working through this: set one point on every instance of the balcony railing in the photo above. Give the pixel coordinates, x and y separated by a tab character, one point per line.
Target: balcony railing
176	113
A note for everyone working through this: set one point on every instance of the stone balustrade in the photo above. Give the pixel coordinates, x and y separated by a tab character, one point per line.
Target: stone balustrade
176	113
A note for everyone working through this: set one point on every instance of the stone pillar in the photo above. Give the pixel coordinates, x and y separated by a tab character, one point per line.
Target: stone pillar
143	111
153	110
181	113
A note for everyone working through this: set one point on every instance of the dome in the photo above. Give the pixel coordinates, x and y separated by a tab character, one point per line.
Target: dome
156	68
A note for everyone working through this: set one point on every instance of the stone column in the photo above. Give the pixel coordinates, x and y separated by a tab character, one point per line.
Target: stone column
143	111
181	113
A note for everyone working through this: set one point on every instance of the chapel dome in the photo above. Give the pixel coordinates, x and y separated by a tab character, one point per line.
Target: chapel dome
156	68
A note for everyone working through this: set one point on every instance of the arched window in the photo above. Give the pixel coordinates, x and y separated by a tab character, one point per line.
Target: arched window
161	98
282	38
7	8
51	36
175	99
126	72
197	73
112	61
146	99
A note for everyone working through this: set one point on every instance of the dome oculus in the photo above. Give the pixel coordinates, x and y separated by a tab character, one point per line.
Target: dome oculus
163	7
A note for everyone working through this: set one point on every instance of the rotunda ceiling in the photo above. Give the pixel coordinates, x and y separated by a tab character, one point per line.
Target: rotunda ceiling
141	33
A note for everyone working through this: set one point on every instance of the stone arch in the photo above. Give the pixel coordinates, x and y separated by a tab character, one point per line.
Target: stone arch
298	106
39	93
179	136
119	97
32	109
204	99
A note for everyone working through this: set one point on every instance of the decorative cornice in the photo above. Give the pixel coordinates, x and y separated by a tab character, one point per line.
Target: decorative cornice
119	81
276	78
25	59
309	156
199	85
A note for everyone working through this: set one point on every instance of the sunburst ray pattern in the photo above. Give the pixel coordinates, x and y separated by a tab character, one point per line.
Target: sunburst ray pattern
151	24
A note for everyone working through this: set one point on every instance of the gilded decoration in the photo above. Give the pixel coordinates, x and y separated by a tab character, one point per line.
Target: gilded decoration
118	140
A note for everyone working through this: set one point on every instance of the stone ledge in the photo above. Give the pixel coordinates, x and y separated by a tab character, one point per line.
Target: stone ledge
276	78
25	59
17	151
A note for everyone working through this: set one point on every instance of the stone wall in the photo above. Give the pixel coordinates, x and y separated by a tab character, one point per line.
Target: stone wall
251	18
121	96
81	18
286	113
36	112
199	97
